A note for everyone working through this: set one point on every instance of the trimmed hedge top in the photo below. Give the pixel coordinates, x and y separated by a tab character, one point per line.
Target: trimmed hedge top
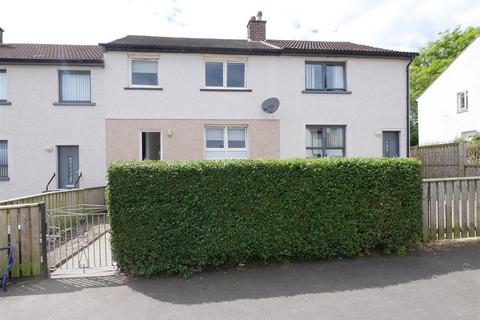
182	216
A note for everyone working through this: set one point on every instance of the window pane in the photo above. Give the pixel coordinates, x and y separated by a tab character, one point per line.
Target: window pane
75	86
335	77
145	72
334	152
315	153
236	75
237	154
211	155
236	137
3	158
214	137
313	76
214	74
334	137
3	85
314	137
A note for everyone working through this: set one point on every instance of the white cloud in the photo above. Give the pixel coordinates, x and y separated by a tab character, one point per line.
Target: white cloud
399	24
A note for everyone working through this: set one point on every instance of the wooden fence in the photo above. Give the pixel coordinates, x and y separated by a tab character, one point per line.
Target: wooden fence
451	208
447	160
21	228
59	199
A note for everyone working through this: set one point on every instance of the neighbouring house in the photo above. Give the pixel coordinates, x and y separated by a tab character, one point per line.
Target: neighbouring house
450	107
73	109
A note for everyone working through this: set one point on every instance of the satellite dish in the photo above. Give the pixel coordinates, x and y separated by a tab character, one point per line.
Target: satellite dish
270	105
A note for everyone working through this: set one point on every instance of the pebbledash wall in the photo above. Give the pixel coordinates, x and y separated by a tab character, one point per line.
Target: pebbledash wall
34	127
377	103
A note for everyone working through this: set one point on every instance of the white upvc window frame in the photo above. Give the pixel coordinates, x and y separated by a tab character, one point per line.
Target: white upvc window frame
4	71
225	149
225	62
132	58
465	101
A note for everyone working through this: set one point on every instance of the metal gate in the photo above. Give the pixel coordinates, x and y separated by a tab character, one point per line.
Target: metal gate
78	239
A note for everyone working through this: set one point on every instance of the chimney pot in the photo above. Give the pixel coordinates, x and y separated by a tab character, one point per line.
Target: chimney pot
256	28
1	36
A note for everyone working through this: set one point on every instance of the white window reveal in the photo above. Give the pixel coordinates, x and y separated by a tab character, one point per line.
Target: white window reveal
462	101
226	142
3	85
325	141
74	86
145	72
325	76
3	160
225	74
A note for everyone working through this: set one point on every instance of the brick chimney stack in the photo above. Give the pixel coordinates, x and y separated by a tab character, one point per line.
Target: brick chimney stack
256	28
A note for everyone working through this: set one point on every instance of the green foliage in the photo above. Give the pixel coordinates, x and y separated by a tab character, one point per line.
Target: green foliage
431	62
180	217
475	138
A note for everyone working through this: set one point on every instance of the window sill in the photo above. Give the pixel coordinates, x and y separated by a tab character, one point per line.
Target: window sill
143	88
226	90
74	104
5	103
4	179
462	111
326	92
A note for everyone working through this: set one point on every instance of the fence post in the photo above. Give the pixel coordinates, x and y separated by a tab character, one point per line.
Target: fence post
462	159
43	221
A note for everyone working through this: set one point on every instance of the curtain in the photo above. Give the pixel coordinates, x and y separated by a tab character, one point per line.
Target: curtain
236	137
3	85
335	77
334	137
214	137
75	86
314	76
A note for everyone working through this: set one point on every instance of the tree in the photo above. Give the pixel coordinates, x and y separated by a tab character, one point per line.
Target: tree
431	62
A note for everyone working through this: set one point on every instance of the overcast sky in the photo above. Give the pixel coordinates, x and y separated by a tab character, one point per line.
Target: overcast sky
396	24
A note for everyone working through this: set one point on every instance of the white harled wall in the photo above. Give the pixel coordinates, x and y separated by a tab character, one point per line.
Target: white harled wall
438	119
34	126
377	101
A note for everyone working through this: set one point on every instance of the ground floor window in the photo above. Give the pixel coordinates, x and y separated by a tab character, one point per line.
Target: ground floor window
325	141
3	160
226	142
151	146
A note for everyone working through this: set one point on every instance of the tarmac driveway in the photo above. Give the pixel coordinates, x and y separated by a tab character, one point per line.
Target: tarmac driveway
438	283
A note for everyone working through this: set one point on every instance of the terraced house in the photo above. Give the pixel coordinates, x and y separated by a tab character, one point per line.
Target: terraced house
68	111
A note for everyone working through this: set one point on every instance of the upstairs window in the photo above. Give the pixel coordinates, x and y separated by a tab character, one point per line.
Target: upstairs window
145	72
3	85
325	141
462	101
325	76
74	86
3	160
226	142
225	74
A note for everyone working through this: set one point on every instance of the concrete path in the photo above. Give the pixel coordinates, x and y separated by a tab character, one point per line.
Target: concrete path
439	283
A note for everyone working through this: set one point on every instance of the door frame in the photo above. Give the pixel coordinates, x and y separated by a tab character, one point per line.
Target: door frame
140	131
58	160
399	133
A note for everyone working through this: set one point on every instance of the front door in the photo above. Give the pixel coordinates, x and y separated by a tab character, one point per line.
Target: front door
67	166
391	144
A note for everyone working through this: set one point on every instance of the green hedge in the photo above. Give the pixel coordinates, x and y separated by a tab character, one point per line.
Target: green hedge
182	216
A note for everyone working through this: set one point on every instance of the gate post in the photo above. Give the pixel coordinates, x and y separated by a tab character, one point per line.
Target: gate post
43	221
